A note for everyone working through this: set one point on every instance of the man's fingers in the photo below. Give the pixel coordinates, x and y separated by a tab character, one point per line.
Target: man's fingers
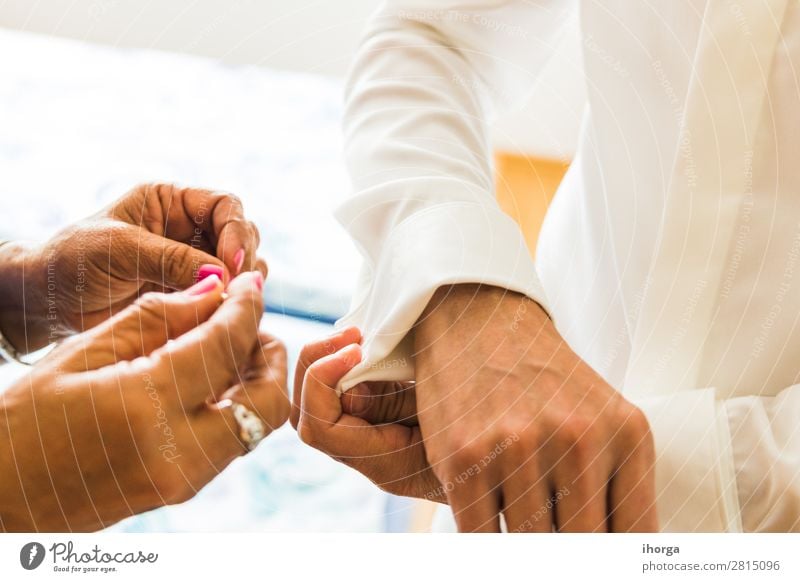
209	359
632	493
382	402
320	403
581	505
527	504
475	505
143	327
313	352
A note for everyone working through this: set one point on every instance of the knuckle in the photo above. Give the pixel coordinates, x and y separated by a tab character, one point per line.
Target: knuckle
279	346
164	189
574	429
280	410
313	374
294	418
160	192
583	451
143	188
307	431
175	254
304	359
466	451
274	357
261	265
247	301
178	260
151	302
443	467
514	427
635	423
256	232
230	198
151	309
220	343
578	440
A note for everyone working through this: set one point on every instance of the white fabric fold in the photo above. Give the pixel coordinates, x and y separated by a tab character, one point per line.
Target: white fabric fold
456	242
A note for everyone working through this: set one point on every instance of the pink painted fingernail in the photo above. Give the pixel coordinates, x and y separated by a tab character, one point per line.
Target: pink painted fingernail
258	280
208	270
238	260
204	286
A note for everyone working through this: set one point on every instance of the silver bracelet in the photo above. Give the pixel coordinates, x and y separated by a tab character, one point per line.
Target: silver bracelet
7	351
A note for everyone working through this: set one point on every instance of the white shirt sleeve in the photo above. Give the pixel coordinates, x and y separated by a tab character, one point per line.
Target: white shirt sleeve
727	465
765	444
424	213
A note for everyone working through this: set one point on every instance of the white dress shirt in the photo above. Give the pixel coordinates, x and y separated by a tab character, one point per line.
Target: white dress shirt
670	256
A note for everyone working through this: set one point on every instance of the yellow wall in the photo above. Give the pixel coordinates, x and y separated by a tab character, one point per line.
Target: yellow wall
525	187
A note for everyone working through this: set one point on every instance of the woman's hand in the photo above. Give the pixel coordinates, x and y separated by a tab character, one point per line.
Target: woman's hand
155	238
372	428
120	419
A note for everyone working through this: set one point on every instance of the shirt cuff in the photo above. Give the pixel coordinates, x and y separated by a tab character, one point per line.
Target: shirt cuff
445	244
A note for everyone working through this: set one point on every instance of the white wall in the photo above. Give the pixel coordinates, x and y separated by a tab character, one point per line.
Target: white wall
308	35
315	35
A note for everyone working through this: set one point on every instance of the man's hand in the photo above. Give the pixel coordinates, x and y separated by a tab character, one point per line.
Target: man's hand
520	425
155	238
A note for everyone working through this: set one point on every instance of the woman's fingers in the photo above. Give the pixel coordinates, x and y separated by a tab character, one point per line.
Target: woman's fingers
262	390
148	257
141	328
195	220
313	352
261	267
221	217
209	359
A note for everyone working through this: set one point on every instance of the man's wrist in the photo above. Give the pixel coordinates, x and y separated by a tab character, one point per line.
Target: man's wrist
467	322
23	278
480	303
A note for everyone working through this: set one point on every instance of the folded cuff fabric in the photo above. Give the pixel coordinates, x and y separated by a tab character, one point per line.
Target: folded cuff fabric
441	245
